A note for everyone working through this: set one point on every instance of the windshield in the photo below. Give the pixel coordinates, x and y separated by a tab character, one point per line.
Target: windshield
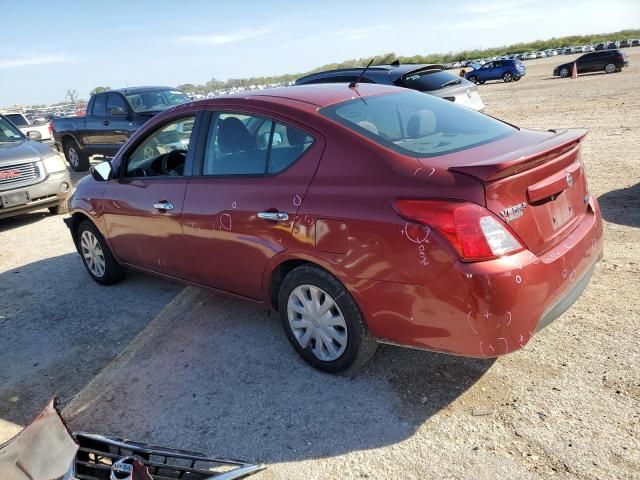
17	119
416	124
155	100
9	133
430	80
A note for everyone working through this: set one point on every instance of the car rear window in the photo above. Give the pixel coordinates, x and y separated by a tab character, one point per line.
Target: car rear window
430	80
416	124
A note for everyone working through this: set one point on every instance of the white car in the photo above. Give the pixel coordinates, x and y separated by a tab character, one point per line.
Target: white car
42	132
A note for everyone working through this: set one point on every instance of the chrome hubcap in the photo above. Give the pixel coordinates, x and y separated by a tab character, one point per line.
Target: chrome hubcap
92	253
73	156
611	68
317	322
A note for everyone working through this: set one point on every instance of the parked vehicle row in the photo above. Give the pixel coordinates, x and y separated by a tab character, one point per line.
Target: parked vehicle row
362	213
39	132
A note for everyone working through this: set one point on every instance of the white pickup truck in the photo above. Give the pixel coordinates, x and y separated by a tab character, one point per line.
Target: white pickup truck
25	126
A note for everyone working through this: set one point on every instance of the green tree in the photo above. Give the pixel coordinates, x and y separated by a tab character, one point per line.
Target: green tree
99	90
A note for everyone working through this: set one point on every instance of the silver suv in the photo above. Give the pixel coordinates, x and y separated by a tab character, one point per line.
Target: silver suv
32	175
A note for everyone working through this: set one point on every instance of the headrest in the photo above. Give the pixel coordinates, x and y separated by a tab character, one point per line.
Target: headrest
233	136
295	136
369	126
421	123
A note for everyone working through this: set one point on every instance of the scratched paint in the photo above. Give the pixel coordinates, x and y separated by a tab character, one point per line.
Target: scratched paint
297	201
225	221
419	235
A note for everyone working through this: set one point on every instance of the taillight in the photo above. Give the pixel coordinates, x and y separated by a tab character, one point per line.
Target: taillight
473	231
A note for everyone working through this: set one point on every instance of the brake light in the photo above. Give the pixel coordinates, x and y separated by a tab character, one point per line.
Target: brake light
473	231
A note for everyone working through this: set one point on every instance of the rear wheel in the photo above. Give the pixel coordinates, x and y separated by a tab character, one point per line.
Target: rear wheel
507	77
473	78
75	156
610	68
322	321
96	256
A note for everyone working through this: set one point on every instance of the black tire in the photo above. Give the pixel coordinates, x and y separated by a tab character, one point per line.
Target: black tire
481	82
516	78
76	158
473	79
60	209
507	77
113	271
360	344
610	68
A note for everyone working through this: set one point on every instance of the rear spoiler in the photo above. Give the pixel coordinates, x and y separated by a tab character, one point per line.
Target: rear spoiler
524	159
398	73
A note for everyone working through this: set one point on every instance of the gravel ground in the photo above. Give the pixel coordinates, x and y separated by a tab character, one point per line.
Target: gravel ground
217	375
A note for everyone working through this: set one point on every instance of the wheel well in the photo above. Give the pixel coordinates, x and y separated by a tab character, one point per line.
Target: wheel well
76	220
67	138
277	276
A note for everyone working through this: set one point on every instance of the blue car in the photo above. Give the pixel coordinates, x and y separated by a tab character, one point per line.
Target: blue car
505	70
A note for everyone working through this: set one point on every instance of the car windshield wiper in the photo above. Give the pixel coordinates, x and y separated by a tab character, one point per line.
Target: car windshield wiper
455	81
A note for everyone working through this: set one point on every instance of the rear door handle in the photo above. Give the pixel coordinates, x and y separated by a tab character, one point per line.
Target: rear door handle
163	206
274	216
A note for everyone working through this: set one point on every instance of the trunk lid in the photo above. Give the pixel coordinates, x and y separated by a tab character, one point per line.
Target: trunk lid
539	190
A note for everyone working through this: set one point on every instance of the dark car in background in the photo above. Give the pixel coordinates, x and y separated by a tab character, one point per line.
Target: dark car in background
32	175
431	79
505	70
111	118
609	61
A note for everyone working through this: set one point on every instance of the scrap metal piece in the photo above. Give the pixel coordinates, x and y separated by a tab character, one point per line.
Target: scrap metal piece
44	450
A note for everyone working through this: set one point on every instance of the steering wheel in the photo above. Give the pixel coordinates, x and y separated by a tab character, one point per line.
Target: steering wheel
173	163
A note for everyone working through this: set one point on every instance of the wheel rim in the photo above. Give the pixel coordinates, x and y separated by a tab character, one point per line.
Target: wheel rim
610	68
564	72
92	253
474	79
74	158
317	322
507	77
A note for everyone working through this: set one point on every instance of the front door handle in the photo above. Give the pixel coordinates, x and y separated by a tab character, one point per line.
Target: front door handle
163	206
274	216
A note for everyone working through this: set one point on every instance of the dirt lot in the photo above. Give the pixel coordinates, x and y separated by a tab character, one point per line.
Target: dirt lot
154	361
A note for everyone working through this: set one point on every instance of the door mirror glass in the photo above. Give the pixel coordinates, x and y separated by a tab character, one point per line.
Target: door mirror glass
102	172
34	135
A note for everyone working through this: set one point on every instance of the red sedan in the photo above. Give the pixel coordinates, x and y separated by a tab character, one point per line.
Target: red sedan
363	215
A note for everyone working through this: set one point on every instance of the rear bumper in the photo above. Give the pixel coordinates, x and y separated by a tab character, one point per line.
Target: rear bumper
48	193
486	309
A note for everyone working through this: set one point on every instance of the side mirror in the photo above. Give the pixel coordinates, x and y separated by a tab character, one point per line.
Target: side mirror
102	172
34	135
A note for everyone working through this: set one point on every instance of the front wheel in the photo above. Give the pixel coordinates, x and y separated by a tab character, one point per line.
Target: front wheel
610	68
323	322
96	256
516	78
473	78
78	160
564	72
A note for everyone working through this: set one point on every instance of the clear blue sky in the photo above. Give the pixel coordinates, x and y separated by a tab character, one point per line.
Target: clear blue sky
49	46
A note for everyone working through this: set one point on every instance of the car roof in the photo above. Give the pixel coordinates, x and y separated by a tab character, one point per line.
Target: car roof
395	71
317	94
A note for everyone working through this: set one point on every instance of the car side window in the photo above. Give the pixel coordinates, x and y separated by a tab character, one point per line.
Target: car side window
240	144
100	106
116	105
163	152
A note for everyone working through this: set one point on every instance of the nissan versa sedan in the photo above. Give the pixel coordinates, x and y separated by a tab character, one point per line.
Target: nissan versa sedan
362	215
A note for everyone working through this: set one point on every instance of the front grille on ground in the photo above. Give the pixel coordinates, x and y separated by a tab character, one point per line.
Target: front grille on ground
97	453
13	176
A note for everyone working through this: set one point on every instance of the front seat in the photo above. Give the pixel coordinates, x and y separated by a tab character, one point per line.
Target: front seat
239	154
421	124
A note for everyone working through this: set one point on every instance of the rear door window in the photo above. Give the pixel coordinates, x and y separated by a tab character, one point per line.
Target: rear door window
251	145
416	124
100	106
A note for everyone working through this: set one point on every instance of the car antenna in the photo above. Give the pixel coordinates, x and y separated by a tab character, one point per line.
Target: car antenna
354	84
